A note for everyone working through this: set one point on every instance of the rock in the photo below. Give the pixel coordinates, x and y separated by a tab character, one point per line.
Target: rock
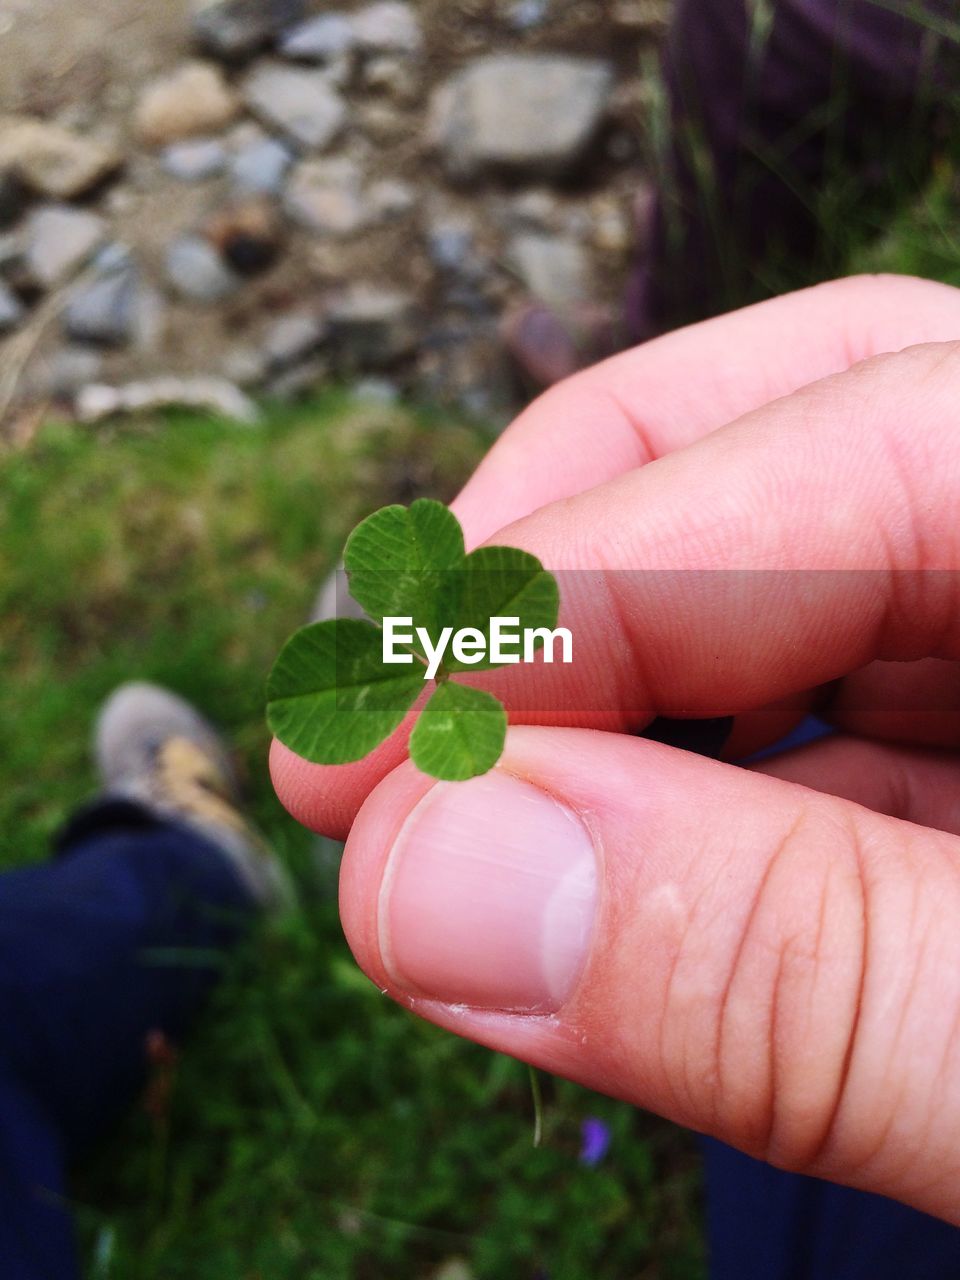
371	328
119	310
325	197
58	241
301	104
234	30
320	39
11	309
261	167
389	198
247	235
113	257
197	272
393	76
525	15
214	395
449	242
555	269
63	372
194	99
53	161
291	339
530	114
388	26
196	160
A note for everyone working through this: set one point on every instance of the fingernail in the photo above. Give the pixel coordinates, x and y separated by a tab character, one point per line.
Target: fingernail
489	896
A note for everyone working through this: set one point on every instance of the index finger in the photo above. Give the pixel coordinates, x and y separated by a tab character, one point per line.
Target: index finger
670	392
628	411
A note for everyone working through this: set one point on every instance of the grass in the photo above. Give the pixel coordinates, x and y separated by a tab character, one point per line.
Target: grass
311	1128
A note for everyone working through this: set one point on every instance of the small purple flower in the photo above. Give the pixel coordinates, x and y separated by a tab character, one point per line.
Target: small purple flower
595	1143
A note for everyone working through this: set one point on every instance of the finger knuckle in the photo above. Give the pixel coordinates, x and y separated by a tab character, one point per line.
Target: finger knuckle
789	1014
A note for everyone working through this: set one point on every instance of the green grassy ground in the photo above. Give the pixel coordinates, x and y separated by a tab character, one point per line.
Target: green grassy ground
311	1128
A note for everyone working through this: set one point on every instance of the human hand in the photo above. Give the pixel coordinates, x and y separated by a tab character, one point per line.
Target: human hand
773	963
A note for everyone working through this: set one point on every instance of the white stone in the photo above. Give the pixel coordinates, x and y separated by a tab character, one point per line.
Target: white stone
261	167
119	310
388	26
59	240
197	272
319	39
215	395
534	114
195	160
301	104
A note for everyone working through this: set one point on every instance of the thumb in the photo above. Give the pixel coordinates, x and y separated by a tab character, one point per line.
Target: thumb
755	960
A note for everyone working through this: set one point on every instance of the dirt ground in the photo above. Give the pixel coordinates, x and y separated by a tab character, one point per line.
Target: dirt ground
57	53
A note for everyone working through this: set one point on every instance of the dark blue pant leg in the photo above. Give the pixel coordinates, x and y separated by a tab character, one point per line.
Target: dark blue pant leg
123	935
36	1230
763	1224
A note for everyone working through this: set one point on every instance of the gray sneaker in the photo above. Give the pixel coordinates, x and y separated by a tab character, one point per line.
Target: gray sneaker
156	749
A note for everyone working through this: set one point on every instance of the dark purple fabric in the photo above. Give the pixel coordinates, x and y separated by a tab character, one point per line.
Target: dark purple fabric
761	121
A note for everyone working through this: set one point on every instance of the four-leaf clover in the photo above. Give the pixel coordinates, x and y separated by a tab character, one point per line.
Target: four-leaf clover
332	697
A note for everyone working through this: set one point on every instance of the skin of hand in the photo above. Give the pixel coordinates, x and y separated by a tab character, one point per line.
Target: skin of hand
770	954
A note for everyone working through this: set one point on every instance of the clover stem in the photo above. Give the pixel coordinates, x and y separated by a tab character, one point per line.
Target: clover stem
537	1105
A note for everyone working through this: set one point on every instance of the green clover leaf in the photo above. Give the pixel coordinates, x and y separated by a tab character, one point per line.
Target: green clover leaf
504	582
403	562
331	699
460	733
331	696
